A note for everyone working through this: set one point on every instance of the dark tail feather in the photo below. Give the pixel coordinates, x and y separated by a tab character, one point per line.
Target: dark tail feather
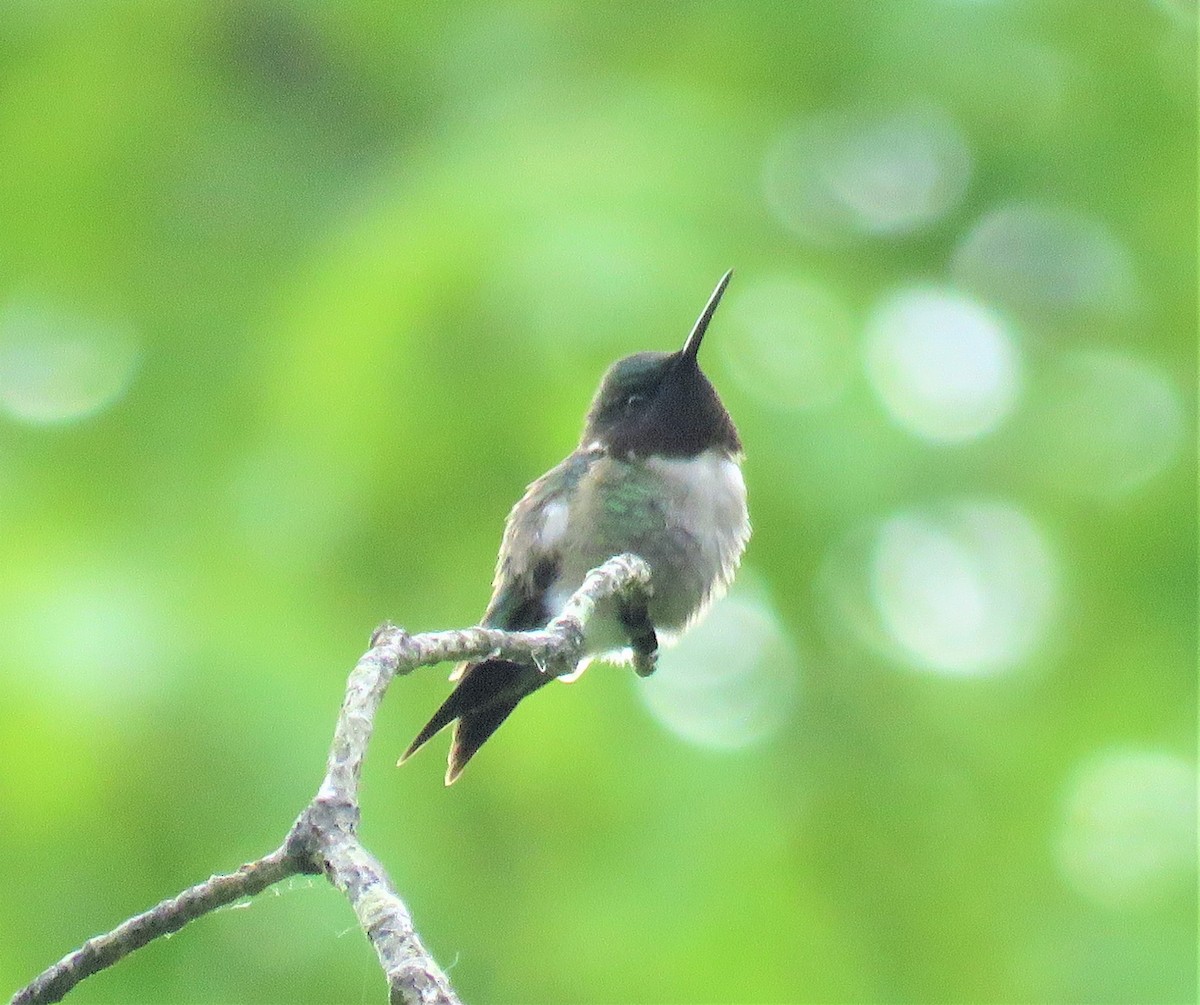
450	710
472	730
486	693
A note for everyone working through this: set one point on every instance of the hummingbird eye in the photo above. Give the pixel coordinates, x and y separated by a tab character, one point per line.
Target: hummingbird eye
634	401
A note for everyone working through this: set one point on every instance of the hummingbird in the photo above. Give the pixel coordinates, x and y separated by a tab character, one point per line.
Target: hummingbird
658	473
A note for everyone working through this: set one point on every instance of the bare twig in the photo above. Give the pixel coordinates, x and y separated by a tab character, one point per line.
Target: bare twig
324	839
167	917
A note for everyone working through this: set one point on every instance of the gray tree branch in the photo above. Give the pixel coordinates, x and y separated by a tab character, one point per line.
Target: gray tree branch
324	839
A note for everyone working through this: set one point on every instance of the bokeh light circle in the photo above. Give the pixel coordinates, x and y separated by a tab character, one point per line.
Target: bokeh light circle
963	588
788	343
96	634
946	368
1109	423
1128	834
731	680
1046	259
853	174
57	365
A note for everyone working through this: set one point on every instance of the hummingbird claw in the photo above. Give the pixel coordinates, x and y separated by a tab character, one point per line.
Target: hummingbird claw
642	638
644	664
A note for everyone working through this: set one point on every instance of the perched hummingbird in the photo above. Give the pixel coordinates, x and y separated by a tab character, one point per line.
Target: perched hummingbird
657	473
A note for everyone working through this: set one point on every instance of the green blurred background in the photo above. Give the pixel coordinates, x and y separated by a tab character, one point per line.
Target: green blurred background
296	298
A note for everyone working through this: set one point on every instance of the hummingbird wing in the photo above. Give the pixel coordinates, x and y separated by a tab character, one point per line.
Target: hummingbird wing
529	563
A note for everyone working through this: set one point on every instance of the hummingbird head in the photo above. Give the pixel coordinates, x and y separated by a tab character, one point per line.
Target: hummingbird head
661	404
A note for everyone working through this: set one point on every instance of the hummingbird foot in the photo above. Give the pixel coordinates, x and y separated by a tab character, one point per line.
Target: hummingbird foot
642	637
644	664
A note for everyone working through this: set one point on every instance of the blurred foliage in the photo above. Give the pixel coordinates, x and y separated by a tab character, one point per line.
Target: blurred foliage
296	298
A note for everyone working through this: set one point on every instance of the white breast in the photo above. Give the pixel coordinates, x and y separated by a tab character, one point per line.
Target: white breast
707	498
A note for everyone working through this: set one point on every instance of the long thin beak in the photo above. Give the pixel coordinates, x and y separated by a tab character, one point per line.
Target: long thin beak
692	345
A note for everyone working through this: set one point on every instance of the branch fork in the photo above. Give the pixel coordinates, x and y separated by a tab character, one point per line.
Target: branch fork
324	838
